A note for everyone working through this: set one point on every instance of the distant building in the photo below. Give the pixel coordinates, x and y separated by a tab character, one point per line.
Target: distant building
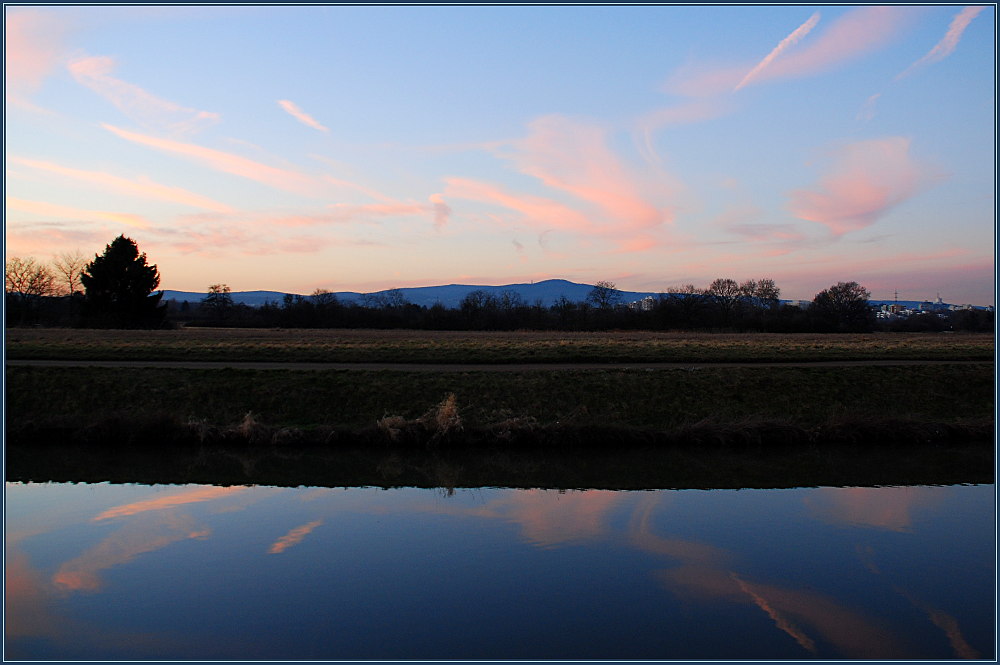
646	304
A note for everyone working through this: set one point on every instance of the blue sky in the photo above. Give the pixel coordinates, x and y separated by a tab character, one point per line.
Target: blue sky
361	148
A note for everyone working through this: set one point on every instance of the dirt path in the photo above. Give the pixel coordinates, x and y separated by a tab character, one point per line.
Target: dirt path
442	367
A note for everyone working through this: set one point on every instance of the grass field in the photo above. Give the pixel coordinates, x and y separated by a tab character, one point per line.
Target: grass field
652	400
142	405
406	346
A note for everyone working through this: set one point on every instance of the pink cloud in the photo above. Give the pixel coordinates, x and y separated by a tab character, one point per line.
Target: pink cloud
767	232
866	181
637	244
33	47
288	180
367	191
35	239
43	209
948	43
142	186
442	211
537	211
256	238
573	157
854	35
138	104
783	45
301	115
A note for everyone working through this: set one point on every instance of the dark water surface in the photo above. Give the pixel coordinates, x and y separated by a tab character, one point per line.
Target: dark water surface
120	571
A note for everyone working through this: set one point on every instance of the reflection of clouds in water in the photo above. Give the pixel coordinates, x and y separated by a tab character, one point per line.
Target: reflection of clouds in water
293	537
947	623
779	619
135	538
871	506
28	610
192	495
705	573
549	518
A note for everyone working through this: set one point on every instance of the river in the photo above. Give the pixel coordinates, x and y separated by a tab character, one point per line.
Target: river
100	571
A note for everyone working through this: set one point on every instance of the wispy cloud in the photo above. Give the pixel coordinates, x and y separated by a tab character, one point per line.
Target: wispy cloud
141	186
367	191
784	44
854	35
681	114
573	156
34	45
867	111
66	212
138	104
537	211
284	179
948	43
301	115
867	179
441	210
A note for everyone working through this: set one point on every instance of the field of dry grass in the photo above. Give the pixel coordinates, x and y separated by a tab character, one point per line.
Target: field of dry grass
409	346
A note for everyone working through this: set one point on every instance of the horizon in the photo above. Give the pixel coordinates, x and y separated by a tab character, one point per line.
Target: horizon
782	297
401	147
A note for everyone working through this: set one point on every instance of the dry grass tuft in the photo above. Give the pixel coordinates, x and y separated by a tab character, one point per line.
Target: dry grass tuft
253	431
438	423
443	419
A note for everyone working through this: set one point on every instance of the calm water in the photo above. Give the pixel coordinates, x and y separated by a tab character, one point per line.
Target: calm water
196	571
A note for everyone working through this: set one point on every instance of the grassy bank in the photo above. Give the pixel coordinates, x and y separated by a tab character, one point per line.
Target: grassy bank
485	347
789	404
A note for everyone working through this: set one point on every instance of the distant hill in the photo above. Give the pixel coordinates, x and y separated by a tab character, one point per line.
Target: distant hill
548	292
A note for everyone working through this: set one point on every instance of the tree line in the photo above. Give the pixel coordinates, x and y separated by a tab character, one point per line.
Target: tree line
118	289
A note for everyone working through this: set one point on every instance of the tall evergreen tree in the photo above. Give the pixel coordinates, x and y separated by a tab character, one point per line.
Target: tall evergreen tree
119	288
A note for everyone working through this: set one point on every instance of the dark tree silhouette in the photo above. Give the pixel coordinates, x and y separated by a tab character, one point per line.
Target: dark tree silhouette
843	308
119	288
219	301
725	293
604	295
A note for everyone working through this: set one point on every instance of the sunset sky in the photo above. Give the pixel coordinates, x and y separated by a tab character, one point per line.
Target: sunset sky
364	148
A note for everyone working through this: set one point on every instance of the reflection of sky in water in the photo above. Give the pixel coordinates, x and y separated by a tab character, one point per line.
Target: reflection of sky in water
260	572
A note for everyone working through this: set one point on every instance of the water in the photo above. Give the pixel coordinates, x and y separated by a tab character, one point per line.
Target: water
116	571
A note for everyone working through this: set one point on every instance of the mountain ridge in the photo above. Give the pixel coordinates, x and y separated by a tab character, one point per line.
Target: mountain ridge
548	292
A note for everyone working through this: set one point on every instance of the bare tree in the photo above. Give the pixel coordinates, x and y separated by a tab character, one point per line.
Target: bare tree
726	294
28	278
760	294
69	266
604	295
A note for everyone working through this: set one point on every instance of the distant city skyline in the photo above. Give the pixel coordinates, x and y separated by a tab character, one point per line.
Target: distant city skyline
291	148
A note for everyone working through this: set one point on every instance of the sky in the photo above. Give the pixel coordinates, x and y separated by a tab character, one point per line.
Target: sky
360	148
